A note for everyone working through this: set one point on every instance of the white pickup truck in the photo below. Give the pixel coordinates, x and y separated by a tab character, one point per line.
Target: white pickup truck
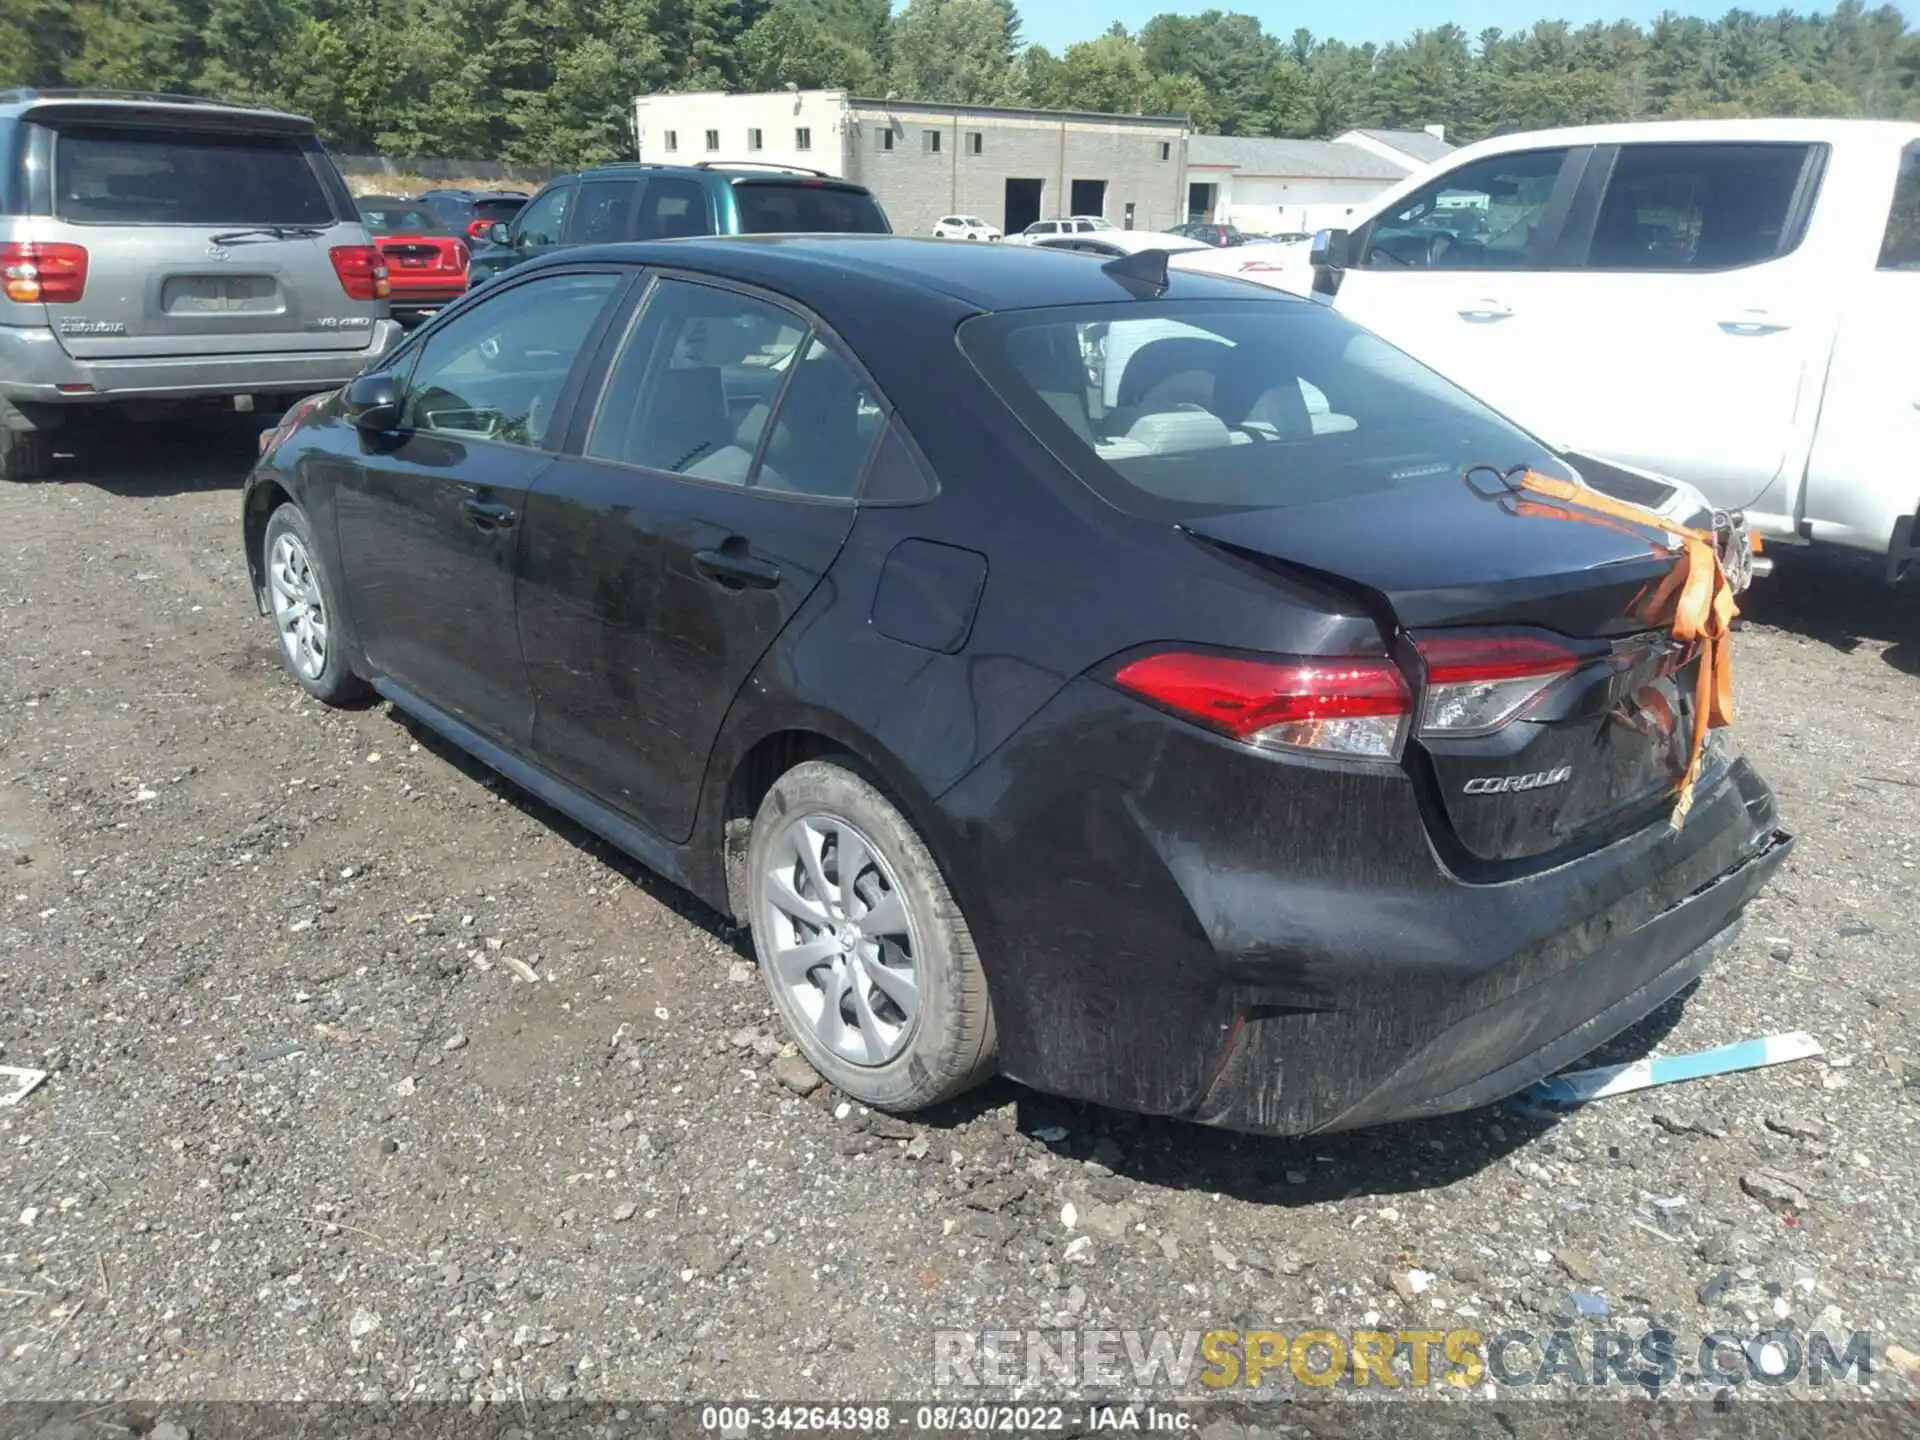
1732	303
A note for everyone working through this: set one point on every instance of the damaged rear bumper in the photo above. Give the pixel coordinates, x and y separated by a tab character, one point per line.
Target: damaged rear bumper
1275	945
1507	1044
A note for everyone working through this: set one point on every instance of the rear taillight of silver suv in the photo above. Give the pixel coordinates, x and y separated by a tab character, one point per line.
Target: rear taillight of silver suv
363	274
34	272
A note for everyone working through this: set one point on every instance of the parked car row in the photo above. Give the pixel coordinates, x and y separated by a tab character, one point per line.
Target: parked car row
162	255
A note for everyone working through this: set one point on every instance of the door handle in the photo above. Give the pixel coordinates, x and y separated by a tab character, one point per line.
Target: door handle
488	515
736	569
1754	322
1485	310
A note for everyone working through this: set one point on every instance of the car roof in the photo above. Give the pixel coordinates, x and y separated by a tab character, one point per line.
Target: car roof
105	104
829	271
1640	132
725	171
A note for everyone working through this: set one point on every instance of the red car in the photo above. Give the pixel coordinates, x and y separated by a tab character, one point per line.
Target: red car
426	267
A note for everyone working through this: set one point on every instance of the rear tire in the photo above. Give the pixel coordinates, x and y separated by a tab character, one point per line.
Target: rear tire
304	604
25	454
865	952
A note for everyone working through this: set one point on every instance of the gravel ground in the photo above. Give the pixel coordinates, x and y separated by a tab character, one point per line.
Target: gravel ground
311	1132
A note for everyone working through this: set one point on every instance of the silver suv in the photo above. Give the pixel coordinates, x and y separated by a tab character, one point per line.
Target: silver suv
160	253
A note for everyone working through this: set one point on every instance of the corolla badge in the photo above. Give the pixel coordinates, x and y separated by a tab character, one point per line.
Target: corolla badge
1507	784
219	252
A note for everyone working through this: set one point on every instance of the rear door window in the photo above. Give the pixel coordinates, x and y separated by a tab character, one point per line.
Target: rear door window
798	208
1900	247
673	209
137	176
734	390
1492	214
1697	207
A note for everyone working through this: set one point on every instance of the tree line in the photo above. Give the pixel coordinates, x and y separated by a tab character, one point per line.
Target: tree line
551	82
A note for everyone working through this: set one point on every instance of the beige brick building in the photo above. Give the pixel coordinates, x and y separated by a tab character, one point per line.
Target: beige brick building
925	161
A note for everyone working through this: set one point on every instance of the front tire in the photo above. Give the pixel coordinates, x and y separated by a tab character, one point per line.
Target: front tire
303	602
863	947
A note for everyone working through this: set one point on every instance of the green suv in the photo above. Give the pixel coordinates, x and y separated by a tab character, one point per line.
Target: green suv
640	201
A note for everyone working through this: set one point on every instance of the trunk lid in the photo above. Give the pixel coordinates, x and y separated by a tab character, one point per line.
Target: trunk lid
1602	746
173	291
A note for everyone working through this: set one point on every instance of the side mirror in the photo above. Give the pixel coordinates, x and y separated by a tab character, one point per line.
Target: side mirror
373	402
1330	249
497	232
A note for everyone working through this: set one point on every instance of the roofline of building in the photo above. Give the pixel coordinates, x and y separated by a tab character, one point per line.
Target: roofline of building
946	107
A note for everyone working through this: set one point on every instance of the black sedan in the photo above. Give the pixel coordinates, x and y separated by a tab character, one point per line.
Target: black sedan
1145	686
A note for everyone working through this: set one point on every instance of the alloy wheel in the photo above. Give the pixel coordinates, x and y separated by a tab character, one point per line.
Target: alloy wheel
844	944
299	610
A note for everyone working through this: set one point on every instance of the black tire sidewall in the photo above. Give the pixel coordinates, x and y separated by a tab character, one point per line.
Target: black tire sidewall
336	683
939	1060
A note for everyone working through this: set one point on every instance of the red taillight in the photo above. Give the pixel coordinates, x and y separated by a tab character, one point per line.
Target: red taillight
477	229
1477	683
362	272
461	257
1337	705
36	272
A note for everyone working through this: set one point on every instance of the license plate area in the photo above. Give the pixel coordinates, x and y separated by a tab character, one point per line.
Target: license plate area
219	295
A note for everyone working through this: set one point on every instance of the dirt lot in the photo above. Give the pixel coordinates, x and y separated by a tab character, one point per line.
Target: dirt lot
309	1135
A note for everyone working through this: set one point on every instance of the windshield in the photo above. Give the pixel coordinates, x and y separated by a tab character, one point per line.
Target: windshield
1183	408
801	208
136	176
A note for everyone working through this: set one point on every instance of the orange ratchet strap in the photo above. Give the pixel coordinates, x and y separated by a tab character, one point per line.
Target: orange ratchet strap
1695	602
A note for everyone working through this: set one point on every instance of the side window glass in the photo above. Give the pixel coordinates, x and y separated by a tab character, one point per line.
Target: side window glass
1483	216
1696	207
898	476
602	212
544	218
1900	248
496	372
673	208
695	382
823	429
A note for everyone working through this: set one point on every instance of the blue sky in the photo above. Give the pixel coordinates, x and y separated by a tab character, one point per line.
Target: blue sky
1058	23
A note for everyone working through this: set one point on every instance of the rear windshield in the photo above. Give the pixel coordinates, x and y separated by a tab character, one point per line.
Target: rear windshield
1183	408
495	210
399	219
800	209
160	177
